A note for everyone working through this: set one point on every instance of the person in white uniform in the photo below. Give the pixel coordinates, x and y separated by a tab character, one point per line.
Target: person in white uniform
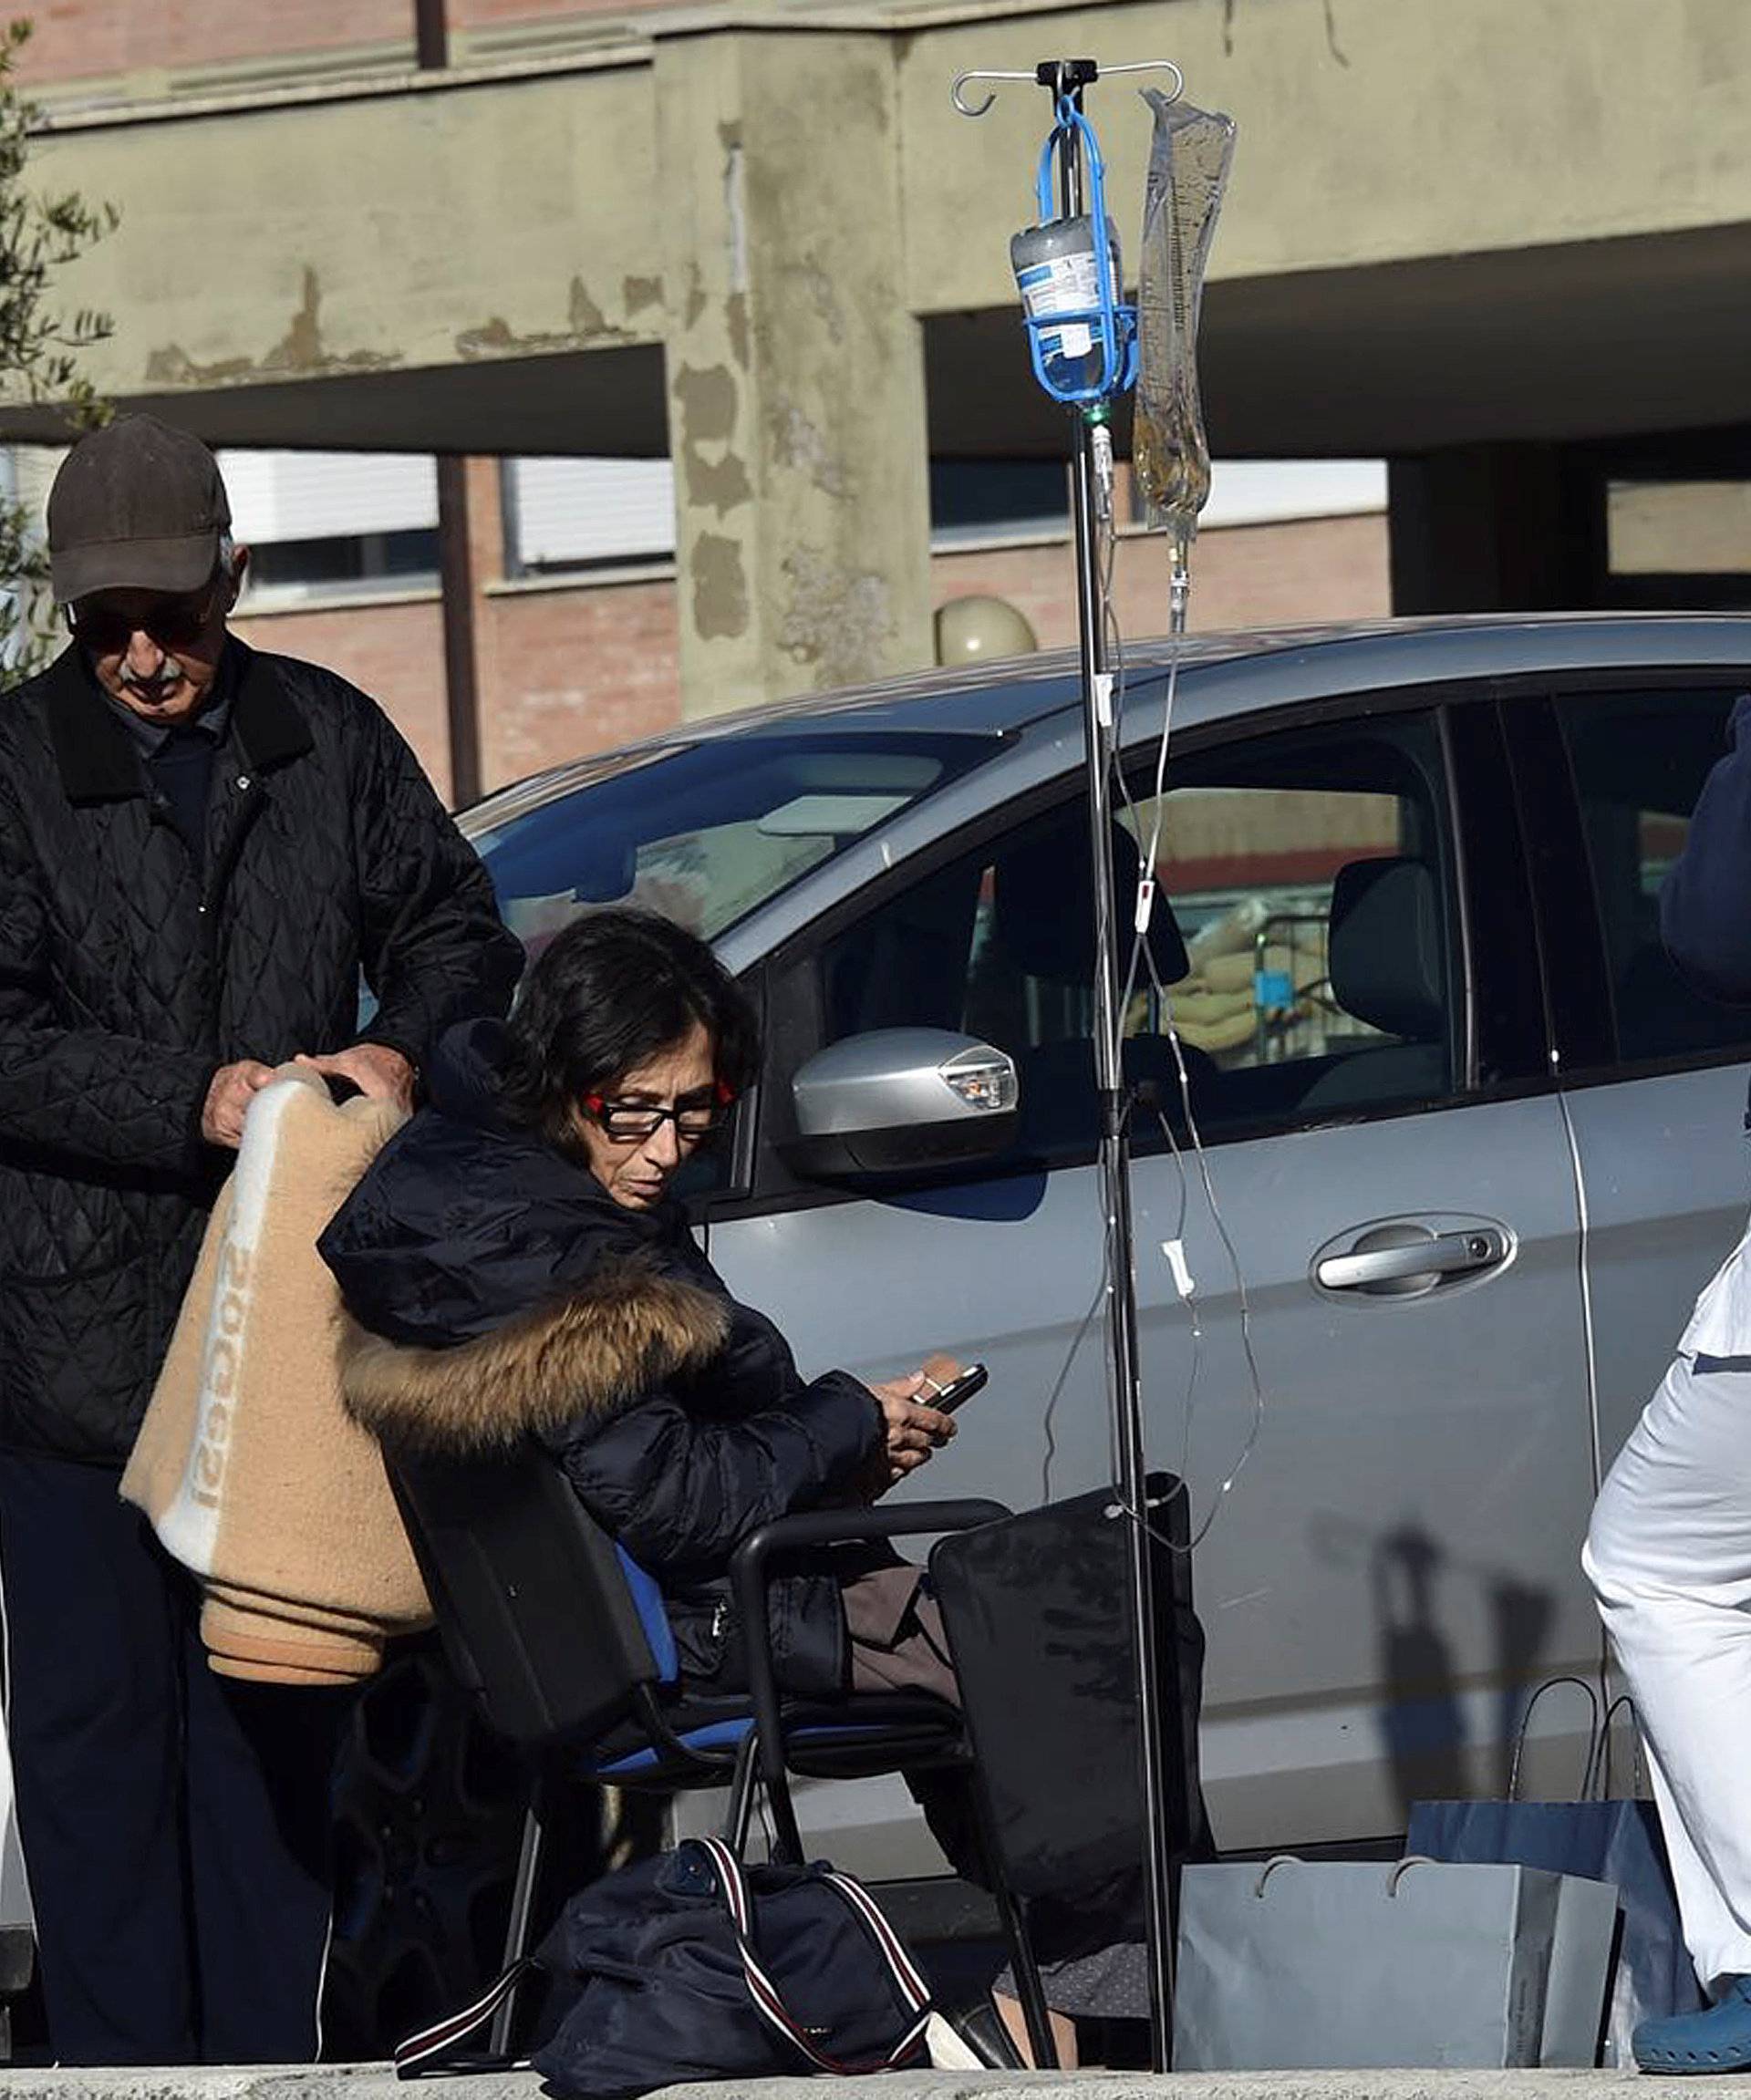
1668	1550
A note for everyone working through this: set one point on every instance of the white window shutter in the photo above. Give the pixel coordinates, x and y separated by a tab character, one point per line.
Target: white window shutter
565	510
279	496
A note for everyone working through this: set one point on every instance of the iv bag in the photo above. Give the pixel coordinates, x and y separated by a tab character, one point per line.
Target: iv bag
1188	171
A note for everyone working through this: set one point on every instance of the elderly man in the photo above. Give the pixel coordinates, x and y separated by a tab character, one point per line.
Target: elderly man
201	848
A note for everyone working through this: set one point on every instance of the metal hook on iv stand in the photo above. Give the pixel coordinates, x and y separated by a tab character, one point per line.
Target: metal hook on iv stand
1034	79
1091	483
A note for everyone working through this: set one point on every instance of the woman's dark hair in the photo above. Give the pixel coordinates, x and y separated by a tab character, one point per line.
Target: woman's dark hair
614	990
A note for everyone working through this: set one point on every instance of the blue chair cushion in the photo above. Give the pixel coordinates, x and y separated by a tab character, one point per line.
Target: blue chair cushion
648	1601
911	1722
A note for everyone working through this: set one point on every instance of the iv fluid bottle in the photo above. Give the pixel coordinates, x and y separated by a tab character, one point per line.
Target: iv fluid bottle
1055	272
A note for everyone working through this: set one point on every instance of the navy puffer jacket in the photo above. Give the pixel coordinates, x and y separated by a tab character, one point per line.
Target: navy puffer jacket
503	1293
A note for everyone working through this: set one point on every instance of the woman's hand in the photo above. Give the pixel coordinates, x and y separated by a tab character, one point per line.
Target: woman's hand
913	1431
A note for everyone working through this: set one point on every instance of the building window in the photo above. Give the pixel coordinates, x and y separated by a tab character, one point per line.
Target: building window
1673	543
566	515
333	524
997	498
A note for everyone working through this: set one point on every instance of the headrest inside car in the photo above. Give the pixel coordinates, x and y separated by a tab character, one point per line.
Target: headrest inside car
1044	898
1387	955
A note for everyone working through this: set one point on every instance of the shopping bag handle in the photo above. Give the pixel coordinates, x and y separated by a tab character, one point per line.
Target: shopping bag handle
1395	1874
1587	1770
1600	1764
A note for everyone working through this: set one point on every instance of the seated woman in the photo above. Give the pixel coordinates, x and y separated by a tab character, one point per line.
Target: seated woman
517	1266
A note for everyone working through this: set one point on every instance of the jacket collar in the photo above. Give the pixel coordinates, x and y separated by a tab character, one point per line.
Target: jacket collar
96	759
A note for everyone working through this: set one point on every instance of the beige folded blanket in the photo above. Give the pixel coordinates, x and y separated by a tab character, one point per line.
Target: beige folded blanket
250	1472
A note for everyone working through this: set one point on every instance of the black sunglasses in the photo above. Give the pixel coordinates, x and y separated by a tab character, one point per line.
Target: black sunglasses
173	622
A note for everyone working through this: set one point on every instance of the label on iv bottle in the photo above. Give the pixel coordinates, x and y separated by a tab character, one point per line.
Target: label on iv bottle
1055	272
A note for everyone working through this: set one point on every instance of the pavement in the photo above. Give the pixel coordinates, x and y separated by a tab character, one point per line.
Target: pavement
377	2081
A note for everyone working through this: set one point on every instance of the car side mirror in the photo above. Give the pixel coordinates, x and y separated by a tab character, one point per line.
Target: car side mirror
898	1100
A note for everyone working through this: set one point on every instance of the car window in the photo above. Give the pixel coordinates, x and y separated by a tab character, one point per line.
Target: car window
705	832
1302	941
1639	762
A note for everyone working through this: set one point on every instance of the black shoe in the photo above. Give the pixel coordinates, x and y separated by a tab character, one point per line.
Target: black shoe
984	2032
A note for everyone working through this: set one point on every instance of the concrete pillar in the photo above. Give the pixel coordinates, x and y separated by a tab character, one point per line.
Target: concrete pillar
794	370
1495	528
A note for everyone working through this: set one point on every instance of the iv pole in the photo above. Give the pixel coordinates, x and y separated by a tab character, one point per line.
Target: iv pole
1091	476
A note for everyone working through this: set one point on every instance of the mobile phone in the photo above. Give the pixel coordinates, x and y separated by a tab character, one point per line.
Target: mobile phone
958	1389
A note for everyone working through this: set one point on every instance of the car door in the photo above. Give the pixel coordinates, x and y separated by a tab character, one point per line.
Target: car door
1396	1558
1655	1075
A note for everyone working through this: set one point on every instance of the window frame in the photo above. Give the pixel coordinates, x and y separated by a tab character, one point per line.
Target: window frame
1464	714
1566	911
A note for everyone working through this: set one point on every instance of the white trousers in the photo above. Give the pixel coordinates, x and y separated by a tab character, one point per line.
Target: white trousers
1669	1557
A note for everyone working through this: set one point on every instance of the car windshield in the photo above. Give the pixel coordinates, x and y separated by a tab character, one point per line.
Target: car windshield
703	833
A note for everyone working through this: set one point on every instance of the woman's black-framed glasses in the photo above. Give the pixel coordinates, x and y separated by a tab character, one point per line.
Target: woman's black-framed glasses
632	1122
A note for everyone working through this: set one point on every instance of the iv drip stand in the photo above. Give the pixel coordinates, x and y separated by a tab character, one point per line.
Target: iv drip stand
1068	77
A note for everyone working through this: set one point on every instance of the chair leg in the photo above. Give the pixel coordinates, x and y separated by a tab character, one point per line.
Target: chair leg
741	1811
1028	1989
523	1906
787	1839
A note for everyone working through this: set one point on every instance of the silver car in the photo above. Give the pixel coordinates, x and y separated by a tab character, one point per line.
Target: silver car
1473	1147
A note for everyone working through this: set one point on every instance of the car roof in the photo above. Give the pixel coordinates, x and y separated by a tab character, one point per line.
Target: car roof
994	698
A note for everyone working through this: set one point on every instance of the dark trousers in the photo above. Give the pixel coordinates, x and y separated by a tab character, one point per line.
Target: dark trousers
174	1823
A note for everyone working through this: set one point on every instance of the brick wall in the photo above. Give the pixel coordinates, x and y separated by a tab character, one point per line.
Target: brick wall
79	39
564	672
1242	577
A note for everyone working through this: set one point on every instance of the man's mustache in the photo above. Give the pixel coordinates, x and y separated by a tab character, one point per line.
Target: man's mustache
168	673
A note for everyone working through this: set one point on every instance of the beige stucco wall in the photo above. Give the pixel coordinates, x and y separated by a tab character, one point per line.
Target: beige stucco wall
1371	130
463	216
351	233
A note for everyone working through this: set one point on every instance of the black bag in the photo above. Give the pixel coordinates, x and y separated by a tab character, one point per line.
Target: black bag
693	1966
1038	1613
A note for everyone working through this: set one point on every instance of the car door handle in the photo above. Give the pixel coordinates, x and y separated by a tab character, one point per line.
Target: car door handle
1406	1260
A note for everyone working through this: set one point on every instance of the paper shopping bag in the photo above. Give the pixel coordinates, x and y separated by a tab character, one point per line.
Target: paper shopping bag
1299	1965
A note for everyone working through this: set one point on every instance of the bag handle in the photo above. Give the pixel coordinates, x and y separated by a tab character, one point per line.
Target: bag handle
1600	1768
438	2044
1551	1684
769	2001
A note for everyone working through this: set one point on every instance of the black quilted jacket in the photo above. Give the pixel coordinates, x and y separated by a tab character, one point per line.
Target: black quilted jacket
125	981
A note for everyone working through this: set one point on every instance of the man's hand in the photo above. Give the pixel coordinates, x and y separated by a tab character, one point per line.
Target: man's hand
232	1088
379	1072
914	1433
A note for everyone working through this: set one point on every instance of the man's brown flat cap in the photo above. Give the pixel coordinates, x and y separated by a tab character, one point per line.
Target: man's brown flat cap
136	506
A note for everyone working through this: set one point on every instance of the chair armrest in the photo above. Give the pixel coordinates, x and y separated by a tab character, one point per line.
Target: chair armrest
748	1572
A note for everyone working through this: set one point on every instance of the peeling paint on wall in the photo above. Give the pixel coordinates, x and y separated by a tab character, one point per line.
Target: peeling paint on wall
641	292
836	621
299	352
706	397
798	443
695	296
720	588
589	329
735	316
735	204
820	291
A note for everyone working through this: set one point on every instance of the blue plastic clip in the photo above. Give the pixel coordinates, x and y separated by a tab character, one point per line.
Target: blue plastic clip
1113	323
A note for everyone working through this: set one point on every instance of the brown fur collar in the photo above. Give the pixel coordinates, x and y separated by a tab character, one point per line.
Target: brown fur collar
625	1330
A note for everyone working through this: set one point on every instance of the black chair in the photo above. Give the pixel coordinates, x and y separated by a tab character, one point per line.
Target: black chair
564	1641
